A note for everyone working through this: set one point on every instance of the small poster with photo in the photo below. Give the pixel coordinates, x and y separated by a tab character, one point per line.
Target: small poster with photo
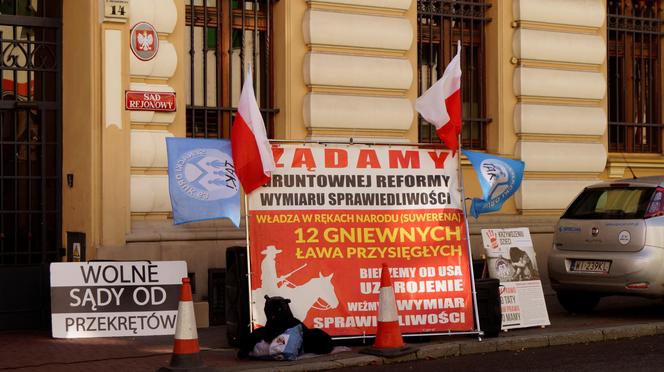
510	254
510	257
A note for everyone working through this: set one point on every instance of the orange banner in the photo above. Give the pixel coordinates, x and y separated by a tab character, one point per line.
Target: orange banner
321	241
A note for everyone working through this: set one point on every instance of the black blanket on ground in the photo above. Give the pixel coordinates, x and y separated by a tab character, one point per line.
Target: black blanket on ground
280	318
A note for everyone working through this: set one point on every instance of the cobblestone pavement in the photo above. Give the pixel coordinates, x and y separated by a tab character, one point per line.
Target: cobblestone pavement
615	318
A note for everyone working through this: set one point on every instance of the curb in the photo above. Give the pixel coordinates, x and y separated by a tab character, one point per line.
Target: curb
469	347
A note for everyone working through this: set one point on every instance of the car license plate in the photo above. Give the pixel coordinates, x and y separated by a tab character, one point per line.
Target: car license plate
589	266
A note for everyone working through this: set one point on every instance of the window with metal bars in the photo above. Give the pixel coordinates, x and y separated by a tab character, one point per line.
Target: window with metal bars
440	23
30	131
634	76
224	37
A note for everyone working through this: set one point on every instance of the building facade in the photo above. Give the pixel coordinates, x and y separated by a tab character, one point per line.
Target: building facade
571	87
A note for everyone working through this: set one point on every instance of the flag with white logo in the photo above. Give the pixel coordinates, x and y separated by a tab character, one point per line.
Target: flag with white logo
499	178
202	180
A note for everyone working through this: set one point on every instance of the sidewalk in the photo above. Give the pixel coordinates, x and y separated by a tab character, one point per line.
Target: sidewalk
614	318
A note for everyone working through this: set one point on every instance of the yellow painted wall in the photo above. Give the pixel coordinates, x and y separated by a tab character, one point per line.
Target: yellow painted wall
500	99
115	153
80	119
177	38
98	204
411	14
289	50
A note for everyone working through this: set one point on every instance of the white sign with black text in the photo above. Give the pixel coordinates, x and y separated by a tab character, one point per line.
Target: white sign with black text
107	299
116	10
511	259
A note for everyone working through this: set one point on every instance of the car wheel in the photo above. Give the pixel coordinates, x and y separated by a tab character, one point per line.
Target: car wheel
578	302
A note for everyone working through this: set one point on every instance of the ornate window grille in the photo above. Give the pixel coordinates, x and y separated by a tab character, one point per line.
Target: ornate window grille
224	37
440	23
30	132
634	76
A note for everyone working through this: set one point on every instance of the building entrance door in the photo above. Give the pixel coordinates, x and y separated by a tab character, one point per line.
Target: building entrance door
30	158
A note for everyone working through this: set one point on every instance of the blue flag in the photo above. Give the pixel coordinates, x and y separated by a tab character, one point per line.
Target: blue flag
202	180
499	178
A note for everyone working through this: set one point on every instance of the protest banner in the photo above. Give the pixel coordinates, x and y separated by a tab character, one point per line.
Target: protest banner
104	299
320	230
511	259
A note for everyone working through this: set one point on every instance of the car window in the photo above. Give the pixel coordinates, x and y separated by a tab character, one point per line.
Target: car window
611	203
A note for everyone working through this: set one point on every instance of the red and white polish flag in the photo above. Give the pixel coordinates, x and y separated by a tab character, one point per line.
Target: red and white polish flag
252	153
440	105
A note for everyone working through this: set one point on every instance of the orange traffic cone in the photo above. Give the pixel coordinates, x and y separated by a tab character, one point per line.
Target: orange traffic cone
388	335
186	352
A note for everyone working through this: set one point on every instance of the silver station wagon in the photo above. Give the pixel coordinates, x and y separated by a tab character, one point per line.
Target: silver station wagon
610	241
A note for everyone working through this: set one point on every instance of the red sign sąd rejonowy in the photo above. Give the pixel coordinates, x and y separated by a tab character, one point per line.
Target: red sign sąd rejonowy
330	216
150	101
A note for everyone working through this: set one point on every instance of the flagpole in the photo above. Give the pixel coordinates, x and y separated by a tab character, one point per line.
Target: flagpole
470	251
465	218
246	229
246	209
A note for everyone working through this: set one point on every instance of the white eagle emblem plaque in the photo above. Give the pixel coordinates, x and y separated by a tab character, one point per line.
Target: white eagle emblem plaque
144	41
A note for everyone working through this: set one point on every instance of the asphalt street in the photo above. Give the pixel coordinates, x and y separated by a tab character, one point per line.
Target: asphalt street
633	354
